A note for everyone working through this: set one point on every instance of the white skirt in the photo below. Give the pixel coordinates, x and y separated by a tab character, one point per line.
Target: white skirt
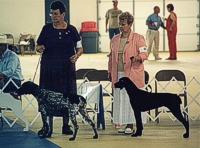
122	110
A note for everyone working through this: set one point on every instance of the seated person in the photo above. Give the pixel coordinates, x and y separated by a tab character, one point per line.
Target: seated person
9	67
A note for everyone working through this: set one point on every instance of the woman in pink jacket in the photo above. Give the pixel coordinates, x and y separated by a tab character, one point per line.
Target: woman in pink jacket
124	46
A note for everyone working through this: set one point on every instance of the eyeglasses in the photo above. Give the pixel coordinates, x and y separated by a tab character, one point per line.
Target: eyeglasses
123	25
54	14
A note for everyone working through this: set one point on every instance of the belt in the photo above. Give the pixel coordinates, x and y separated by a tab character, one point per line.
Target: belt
153	29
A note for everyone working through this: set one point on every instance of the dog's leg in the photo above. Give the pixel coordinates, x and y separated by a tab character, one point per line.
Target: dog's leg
87	119
176	111
72	114
50	123
50	127
45	127
139	125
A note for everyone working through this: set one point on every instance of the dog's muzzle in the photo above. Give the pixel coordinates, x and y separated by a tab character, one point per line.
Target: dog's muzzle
118	85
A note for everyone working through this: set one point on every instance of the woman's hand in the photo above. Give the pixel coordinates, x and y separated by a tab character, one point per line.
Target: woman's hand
40	48
74	58
137	59
109	77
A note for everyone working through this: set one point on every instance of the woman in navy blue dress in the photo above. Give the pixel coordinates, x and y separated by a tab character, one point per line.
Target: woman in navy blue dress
60	45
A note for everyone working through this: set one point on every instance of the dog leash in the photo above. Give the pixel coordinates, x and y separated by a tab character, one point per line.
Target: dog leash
148	85
131	58
37	67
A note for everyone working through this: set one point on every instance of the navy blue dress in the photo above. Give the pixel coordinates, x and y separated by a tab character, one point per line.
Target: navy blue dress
57	72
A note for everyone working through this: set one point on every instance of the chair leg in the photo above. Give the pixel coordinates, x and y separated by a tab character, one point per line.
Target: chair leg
1	117
95	108
149	112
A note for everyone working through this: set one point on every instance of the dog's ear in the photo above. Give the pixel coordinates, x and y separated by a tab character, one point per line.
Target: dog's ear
74	99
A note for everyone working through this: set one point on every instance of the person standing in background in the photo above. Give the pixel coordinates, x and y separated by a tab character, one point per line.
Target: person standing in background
154	22
60	45
171	27
112	20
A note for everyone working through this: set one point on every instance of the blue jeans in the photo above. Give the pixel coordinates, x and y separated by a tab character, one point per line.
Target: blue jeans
113	31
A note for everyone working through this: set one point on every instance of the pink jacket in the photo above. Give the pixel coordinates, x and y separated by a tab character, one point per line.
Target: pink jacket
132	48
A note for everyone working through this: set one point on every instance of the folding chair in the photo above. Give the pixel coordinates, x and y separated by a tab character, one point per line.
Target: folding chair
169	76
26	43
80	75
102	76
146	81
147	87
11	38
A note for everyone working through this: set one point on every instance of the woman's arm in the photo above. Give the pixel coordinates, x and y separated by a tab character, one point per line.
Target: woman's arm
174	21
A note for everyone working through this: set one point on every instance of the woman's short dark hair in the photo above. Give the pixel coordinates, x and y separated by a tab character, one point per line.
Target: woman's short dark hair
171	7
58	5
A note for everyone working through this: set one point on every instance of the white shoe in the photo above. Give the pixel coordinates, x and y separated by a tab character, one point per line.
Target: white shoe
128	131
121	130
158	58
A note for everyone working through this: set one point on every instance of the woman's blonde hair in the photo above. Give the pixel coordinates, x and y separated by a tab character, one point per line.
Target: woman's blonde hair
126	15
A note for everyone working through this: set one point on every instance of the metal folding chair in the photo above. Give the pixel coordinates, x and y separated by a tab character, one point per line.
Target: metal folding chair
11	38
27	43
148	88
170	76
80	75
101	76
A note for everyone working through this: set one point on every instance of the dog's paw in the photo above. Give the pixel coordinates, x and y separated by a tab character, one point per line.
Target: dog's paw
42	136
95	137
72	139
186	135
134	135
48	135
40	132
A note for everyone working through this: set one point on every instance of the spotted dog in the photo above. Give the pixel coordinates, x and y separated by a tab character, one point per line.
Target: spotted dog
50	103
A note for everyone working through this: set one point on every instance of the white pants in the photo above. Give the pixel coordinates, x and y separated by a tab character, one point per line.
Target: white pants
122	110
152	37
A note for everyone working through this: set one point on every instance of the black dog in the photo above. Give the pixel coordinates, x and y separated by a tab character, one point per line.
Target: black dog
50	102
143	101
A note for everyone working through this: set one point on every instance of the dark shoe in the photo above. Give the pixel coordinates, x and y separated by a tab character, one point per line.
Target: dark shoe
66	130
171	59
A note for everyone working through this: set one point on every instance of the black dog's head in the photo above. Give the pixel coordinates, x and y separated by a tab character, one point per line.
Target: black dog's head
125	82
27	88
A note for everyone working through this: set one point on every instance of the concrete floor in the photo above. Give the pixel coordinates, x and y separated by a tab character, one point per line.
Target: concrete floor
166	134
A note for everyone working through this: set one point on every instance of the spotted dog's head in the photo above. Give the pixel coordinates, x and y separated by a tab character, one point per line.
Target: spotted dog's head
27	88
124	82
